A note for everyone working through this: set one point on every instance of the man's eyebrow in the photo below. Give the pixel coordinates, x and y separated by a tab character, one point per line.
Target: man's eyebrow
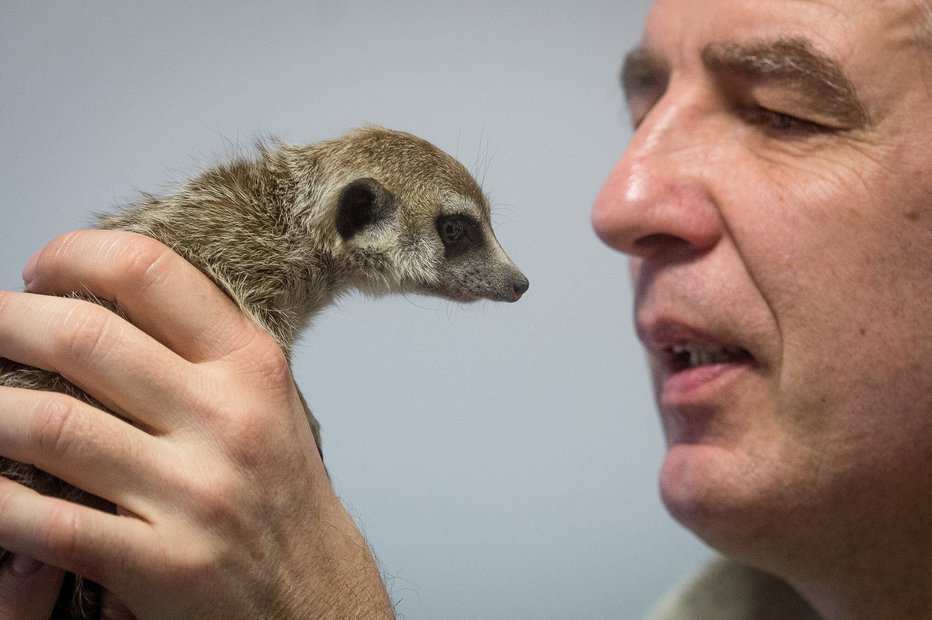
644	71
796	63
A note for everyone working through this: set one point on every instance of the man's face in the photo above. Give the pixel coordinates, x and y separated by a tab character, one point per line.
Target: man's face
776	202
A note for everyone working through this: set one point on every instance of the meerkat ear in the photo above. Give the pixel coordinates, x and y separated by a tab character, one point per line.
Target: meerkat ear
362	203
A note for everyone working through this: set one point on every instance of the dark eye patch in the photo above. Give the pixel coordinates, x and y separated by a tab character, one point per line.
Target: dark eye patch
459	233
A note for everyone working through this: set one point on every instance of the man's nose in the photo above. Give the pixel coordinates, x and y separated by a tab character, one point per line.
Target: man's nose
660	197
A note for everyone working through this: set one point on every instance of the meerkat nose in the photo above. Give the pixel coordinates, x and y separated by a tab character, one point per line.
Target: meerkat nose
520	287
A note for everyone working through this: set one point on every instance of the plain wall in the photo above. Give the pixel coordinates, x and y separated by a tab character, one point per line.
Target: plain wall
501	459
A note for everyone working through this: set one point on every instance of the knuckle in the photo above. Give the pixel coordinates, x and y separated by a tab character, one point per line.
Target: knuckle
61	534
260	375
143	261
53	427
245	440
85	331
65	540
272	368
217	502
249	426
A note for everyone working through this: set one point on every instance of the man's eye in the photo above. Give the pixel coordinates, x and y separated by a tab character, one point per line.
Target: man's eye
782	123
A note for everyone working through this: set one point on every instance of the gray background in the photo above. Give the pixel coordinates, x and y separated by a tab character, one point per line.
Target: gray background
500	458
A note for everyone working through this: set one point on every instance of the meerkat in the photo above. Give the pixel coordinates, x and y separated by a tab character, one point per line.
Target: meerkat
290	230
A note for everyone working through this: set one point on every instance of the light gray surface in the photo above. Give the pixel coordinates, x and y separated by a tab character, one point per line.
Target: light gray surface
500	458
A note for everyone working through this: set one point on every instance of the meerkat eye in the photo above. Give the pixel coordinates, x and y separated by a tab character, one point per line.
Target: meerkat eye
452	231
458	233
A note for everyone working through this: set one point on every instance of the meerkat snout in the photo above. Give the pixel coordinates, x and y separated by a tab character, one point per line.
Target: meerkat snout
474	265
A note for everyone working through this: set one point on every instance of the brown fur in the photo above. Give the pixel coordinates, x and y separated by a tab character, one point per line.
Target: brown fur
267	232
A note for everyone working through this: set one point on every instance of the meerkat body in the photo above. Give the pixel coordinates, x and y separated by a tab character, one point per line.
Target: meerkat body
289	231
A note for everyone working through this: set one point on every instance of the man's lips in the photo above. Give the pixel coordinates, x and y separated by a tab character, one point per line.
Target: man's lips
690	361
688	344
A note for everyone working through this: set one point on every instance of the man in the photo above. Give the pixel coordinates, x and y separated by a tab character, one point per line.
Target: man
775	203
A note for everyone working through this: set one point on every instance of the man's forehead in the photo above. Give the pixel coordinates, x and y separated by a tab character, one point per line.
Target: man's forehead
864	23
876	42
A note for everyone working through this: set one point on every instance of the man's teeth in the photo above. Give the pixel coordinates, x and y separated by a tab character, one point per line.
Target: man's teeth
692	355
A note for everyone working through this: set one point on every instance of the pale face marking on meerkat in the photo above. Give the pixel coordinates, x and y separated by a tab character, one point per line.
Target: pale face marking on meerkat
286	234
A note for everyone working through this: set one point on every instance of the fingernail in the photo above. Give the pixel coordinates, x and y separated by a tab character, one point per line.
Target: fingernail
29	271
24	565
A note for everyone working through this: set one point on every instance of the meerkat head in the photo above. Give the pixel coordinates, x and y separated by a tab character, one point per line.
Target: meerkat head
411	218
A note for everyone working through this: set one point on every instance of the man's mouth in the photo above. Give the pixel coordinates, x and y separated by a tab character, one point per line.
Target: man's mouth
694	366
689	355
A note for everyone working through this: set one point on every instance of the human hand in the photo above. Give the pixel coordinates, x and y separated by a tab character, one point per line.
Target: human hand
224	508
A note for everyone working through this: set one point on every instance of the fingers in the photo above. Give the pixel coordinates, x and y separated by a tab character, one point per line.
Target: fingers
79	444
159	291
76	538
28	589
98	351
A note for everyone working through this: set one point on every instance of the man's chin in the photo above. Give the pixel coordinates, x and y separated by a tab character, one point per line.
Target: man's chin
707	489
